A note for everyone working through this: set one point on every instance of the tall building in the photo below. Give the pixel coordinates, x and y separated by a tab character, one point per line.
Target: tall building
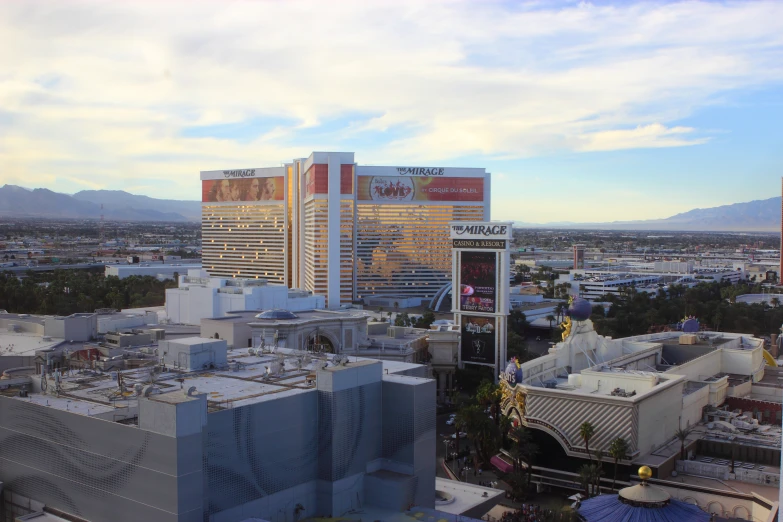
336	228
579	257
780	268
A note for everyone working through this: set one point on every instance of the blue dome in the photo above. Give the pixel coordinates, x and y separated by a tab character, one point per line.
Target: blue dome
580	309
277	314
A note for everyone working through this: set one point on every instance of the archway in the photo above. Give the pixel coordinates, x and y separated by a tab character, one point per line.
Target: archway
320	342
716	508
742	512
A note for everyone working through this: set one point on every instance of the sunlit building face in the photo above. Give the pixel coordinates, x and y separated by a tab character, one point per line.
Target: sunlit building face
386	234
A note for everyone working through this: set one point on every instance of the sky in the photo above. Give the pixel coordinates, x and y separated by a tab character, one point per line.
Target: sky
582	111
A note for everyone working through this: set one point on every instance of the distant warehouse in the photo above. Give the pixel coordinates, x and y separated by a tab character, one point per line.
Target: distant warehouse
157	270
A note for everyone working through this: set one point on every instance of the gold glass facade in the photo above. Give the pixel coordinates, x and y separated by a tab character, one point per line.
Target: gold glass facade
405	250
245	240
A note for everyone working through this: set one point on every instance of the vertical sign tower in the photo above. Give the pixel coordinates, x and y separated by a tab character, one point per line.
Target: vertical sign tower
480	302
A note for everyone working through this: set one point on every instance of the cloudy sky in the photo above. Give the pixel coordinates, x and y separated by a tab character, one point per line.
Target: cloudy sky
583	111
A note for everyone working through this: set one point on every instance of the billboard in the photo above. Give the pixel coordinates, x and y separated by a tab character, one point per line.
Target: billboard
244	190
478	282
400	189
477	344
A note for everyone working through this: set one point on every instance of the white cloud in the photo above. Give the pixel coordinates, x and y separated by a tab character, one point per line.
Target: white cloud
643	136
101	91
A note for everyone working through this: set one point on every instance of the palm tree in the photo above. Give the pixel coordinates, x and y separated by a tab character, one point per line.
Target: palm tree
618	449
683	434
551	318
598	471
586	431
527	448
586	477
504	425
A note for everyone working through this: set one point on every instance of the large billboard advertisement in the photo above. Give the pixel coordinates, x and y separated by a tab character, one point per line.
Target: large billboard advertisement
478	282
478	339
391	189
244	190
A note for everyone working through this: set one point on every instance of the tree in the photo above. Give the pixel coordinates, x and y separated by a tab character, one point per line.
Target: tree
586	431
523	441
775	302
586	478
618	449
504	425
489	394
551	318
683	434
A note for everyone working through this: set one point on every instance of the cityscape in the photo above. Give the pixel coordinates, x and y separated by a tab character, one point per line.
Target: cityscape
418	262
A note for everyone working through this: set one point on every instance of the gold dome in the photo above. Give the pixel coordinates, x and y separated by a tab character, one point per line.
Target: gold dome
645	473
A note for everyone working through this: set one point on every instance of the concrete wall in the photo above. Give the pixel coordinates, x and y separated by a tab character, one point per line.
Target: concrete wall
659	416
194	356
236	334
409	436
76	327
23	326
692	406
94	469
743	362
259	468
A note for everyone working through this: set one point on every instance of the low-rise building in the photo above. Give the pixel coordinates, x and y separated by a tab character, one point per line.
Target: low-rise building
644	389
199	296
273	436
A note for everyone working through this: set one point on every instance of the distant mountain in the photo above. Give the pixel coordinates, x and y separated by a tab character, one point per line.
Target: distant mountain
21	202
752	216
191	210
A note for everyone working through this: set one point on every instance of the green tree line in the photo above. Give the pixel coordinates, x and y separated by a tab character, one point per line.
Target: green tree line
713	304
64	292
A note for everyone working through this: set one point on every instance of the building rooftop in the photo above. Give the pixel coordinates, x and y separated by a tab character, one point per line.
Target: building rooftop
23	343
247	379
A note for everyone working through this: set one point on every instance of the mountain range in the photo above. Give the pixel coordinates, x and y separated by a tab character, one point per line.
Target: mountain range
118	205
753	216
762	215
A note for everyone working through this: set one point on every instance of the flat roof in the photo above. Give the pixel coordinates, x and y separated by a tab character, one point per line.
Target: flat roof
25	318
245	381
24	343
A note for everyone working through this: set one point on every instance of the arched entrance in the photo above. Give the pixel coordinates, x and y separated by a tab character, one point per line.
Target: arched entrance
319	342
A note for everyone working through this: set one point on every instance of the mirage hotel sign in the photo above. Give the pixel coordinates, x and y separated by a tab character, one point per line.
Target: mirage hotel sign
486	230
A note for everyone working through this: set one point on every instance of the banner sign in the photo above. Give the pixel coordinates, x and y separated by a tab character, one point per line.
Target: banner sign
478	282
387	189
477	344
485	244
242	189
484	230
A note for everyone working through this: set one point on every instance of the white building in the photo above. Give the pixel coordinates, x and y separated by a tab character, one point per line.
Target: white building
643	389
200	296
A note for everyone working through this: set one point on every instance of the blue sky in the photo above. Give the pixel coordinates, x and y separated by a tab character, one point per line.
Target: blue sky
582	111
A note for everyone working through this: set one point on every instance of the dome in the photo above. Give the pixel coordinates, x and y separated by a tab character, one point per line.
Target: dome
642	494
580	309
640	503
277	314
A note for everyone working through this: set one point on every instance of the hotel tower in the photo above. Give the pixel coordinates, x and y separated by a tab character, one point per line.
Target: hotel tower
339	229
